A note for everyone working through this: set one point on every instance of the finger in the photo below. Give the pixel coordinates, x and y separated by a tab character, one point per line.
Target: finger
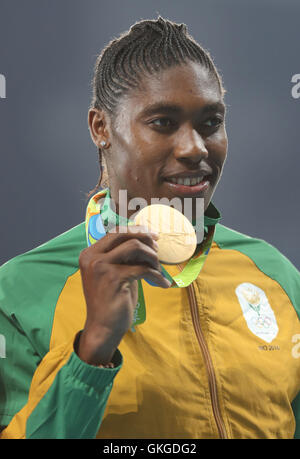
133	251
130	273
135	229
118	235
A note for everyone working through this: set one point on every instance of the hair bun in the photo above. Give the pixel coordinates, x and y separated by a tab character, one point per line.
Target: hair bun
149	25
182	28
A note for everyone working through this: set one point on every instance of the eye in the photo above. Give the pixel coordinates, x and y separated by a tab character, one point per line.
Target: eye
213	122
162	122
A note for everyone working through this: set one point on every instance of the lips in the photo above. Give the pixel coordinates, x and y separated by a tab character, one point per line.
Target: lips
188	178
187	181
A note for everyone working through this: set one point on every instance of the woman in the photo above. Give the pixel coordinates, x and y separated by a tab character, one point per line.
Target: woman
215	358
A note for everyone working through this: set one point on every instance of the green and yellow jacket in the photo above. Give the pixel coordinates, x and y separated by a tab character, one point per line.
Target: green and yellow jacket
220	358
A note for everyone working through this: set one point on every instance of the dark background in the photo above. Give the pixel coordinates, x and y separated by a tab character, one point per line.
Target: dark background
48	161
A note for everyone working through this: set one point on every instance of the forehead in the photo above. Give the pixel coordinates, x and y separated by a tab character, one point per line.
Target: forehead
189	85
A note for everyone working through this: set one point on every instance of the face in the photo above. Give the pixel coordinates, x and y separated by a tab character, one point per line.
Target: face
168	138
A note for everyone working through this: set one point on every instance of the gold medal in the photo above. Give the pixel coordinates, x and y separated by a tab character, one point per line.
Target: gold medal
177	240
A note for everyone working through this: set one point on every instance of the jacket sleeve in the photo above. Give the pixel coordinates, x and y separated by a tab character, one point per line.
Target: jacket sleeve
296	409
67	397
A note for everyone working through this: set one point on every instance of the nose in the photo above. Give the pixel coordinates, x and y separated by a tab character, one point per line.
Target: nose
190	146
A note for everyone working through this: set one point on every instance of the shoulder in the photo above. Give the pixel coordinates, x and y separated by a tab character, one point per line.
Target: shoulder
266	257
59	254
258	249
63	249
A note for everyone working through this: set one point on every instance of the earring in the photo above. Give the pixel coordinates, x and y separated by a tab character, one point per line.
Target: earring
103	143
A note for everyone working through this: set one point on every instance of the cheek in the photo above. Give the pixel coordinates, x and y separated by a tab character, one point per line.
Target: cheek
136	168
217	145
132	147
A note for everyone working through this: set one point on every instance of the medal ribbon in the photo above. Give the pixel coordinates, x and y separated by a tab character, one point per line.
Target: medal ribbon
97	218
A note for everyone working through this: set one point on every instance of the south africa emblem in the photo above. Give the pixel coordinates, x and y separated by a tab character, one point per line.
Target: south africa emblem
257	311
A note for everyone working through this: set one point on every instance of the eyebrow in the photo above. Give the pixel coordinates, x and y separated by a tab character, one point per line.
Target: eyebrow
176	109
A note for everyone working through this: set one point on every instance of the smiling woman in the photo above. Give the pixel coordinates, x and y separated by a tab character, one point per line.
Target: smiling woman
104	340
157	98
166	133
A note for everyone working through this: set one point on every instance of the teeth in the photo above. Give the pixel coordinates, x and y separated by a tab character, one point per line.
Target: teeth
187	181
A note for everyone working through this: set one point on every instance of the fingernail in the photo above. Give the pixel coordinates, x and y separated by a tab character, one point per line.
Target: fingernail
154	235
155	245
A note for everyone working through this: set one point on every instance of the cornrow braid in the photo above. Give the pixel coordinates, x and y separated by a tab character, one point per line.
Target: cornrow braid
148	46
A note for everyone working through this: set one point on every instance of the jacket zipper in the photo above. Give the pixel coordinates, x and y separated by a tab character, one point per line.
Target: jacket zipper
207	361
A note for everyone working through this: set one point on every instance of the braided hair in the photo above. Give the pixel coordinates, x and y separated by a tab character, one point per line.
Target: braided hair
148	47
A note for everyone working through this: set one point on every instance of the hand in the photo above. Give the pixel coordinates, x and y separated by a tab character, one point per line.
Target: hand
109	272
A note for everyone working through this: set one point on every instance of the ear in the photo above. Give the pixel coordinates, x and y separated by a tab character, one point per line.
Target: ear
98	126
